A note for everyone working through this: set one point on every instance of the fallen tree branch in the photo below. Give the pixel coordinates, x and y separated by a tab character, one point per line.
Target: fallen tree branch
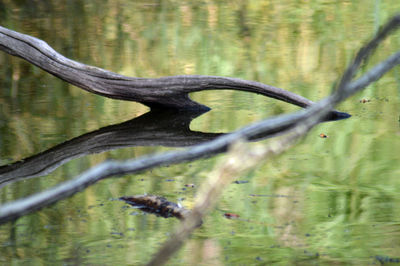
13	210
166	92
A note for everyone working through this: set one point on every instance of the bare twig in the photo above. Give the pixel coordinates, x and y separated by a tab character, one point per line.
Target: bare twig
364	53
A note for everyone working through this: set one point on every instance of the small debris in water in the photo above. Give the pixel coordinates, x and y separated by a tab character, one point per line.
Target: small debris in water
311	254
383	259
96	205
230	215
322	135
157	205
275	246
241	181
272	196
117	233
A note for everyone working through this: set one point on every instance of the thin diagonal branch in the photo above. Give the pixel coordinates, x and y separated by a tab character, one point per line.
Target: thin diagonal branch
243	158
365	52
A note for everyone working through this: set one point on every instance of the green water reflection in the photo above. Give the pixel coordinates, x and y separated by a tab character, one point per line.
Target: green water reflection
333	200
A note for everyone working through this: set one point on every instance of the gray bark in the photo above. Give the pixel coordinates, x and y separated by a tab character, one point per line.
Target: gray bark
166	92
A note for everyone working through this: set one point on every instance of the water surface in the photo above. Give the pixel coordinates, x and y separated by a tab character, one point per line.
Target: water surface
332	200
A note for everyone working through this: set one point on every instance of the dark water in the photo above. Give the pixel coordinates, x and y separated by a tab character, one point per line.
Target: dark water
326	201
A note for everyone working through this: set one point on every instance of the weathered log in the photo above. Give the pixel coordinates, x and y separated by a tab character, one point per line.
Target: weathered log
166	92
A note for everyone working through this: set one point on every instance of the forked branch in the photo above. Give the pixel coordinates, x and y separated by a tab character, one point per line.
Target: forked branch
166	92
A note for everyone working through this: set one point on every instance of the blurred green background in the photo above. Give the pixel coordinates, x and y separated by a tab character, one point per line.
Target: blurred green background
326	201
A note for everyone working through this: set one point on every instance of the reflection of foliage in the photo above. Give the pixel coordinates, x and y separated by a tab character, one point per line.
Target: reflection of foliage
352	176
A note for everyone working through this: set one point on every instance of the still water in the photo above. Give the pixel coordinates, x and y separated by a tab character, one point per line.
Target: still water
328	200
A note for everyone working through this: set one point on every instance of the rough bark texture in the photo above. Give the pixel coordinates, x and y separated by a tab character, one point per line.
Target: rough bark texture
166	92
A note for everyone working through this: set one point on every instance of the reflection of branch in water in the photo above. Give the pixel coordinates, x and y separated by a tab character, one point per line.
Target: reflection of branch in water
155	128
10	211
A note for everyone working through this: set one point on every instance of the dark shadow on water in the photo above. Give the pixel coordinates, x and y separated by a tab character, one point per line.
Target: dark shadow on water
155	128
167	128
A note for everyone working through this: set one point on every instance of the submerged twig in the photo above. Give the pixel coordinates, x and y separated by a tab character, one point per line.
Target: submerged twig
157	205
